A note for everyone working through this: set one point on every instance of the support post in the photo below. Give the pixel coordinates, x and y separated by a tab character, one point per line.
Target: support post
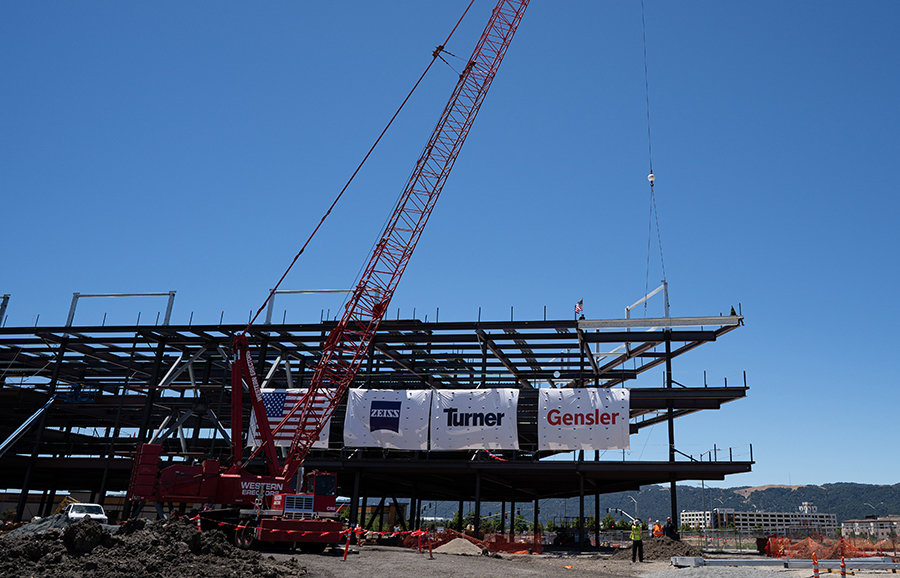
151	392
362	514
49	506
43	500
670	413
39	431
580	511
503	518
378	513
111	448
398	514
459	518
477	503
354	502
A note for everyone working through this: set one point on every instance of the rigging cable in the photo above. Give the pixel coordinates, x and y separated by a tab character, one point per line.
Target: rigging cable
434	56
654	214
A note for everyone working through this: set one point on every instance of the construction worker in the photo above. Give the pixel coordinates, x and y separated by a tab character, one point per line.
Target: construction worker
669	529
657	530
637	541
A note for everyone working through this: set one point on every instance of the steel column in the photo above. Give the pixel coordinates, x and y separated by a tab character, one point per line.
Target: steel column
26	482
151	391
354	502
477	502
671	423
362	514
580	511
512	519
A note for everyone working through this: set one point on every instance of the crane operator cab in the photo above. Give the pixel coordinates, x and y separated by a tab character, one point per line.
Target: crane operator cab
318	498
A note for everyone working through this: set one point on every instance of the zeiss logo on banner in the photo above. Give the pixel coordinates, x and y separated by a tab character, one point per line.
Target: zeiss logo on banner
385	415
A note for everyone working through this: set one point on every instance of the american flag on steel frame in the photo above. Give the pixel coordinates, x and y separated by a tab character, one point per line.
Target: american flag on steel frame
579	307
278	402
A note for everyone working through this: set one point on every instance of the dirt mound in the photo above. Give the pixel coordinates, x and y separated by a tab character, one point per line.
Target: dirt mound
83	536
164	549
661	548
459	546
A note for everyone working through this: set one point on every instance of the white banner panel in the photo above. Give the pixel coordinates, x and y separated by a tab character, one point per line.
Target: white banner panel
278	403
583	419
474	419
387	418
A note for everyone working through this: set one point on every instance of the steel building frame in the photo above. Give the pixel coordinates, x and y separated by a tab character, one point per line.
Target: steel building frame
114	387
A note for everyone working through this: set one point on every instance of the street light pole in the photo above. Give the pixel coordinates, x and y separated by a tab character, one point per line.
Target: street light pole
874	509
637	514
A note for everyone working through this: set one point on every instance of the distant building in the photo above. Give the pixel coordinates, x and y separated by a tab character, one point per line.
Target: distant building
878	527
807	519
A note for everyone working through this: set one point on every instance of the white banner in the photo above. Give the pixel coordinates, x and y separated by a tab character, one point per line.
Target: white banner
583	419
278	403
473	419
387	418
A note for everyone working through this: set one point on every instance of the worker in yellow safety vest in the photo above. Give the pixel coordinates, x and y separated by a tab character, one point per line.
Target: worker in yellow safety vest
657	530
637	541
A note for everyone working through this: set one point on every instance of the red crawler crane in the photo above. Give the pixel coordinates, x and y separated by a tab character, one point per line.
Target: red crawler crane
309	518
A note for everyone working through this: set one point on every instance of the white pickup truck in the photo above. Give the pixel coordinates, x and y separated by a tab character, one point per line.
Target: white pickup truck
78	511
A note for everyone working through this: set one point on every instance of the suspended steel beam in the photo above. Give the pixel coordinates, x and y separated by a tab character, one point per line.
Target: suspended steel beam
720	321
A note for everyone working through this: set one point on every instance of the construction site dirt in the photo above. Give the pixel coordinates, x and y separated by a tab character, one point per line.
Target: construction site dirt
164	549
176	548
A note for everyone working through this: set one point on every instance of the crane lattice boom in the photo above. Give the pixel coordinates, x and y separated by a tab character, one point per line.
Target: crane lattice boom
348	343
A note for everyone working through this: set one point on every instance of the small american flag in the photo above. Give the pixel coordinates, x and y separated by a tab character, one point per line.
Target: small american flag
579	307
278	402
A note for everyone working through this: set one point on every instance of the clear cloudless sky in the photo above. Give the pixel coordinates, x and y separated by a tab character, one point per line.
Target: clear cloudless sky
193	146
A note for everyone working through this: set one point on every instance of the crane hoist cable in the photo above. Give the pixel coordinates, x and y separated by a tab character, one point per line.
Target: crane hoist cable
434	55
349	341
654	213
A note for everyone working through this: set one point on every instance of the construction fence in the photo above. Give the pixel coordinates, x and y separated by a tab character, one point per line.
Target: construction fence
831	548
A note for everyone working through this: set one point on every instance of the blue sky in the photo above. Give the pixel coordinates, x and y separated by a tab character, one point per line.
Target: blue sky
193	146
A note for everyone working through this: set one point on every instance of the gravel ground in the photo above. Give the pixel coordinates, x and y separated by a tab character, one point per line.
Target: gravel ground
756	572
373	561
174	549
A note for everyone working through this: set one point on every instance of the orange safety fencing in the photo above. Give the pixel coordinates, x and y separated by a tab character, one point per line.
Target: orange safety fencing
520	544
440	538
829	548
